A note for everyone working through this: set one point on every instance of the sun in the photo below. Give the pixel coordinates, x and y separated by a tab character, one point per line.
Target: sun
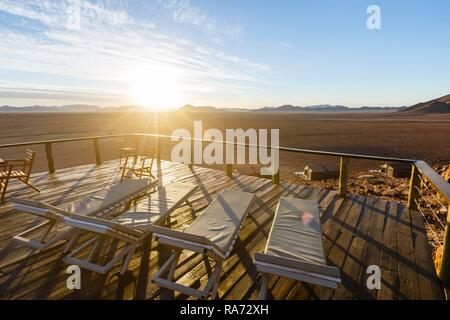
158	90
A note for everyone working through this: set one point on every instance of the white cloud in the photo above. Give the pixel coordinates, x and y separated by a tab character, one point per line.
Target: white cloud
112	48
184	11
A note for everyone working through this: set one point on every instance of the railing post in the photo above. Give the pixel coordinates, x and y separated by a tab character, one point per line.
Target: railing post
343	176
98	159
229	165
50	161
413	188
276	177
444	272
275	155
229	170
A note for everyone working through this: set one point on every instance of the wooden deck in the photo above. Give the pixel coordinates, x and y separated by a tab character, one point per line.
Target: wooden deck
358	232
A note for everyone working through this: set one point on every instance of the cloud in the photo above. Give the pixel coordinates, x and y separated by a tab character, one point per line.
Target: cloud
184	11
112	48
25	94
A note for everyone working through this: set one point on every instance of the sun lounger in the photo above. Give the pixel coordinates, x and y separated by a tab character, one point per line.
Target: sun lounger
130	228
212	234
99	204
294	248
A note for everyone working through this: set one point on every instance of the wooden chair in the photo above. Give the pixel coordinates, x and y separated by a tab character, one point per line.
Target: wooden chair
127	150
141	165
147	154
16	169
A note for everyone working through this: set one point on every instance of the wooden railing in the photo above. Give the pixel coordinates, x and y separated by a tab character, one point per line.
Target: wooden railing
49	146
419	169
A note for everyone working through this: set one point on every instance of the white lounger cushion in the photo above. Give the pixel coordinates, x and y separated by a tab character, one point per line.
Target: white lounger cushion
106	198
157	206
164	198
90	205
218	225
222	219
296	232
137	218
295	240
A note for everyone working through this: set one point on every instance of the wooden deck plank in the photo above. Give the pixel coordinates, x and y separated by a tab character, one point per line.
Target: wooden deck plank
407	271
340	250
430	287
389	255
353	264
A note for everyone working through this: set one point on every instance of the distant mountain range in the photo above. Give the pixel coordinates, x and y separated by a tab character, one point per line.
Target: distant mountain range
325	108
291	108
436	106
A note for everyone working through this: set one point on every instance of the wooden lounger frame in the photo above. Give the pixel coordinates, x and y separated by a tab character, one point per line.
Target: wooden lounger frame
105	229
326	278
55	218
179	241
164	277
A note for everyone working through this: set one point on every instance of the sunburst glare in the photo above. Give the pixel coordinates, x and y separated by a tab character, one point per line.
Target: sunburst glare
158	90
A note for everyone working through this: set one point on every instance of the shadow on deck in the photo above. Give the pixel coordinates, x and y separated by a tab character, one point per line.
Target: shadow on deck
358	232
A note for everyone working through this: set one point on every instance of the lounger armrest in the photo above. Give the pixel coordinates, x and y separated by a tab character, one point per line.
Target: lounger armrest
112	226
297	265
179	235
38	204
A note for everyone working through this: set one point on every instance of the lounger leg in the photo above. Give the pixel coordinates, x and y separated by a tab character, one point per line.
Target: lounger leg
214	290
207	265
47	231
73	240
215	287
97	246
127	260
264	287
190	206
173	267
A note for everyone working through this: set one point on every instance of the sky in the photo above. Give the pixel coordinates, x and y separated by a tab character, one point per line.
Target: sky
242	54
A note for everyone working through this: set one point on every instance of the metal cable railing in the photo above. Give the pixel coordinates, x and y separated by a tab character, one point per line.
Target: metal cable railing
424	183
430	227
429	212
433	211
